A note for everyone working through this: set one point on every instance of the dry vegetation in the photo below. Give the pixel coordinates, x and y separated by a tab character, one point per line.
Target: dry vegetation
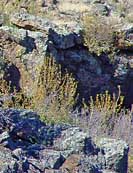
107	104
124	7
130	164
106	117
103	35
98	34
53	94
73	7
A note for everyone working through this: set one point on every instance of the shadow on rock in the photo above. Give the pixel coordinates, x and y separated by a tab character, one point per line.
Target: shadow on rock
29	43
12	76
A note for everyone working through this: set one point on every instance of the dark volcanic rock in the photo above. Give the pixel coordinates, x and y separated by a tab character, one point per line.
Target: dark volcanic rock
29	145
25	128
64	41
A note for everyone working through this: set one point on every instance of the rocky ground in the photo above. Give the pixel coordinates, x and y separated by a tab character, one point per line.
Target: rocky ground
29	37
49	27
28	145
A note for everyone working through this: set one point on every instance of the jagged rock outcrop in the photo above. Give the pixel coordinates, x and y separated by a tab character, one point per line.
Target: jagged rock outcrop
31	22
94	74
29	145
26	143
16	44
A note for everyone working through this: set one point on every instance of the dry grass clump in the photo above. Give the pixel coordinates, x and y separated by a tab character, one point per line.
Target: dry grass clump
102	34
15	5
11	98
98	34
52	93
124	7
129	17
106	117
100	115
107	104
130	164
73	7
